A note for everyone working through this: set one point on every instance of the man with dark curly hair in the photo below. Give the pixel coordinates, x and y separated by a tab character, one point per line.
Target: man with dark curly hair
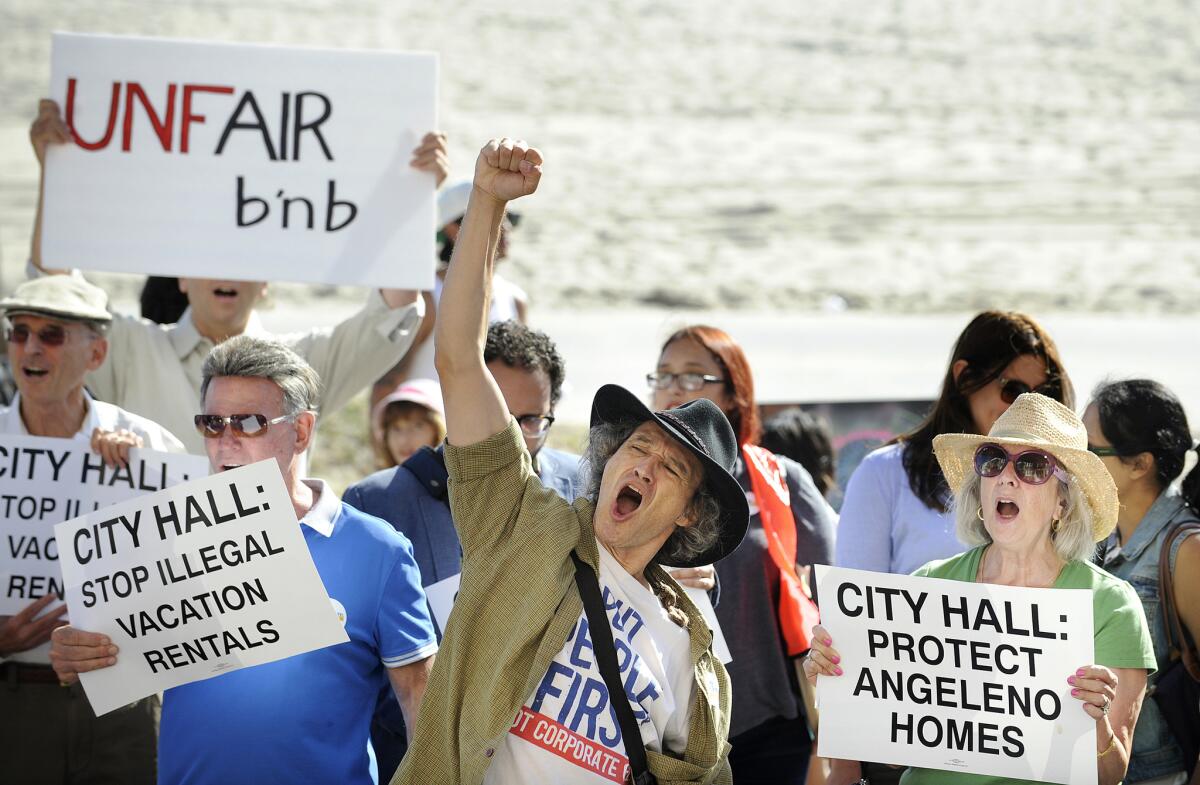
530	371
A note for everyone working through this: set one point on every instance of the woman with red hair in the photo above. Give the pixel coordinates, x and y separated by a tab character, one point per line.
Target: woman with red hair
757	609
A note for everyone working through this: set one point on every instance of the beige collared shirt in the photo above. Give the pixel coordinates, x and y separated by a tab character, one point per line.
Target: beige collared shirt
155	370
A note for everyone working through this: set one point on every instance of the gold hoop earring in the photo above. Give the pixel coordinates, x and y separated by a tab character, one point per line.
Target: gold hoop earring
1055	525
979	512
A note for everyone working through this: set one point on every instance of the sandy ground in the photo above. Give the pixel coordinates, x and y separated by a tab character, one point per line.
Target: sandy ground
921	156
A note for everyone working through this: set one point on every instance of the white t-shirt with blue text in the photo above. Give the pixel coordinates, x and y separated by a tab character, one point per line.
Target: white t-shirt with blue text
567	732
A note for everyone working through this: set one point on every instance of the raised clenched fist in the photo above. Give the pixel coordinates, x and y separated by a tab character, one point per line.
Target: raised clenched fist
508	169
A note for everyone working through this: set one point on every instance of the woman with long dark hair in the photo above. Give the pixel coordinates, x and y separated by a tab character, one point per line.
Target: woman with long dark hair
767	727
896	513
1139	430
894	518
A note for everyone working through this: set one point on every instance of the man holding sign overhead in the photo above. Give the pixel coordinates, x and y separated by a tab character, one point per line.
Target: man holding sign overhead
304	718
137	191
1034	501
56	332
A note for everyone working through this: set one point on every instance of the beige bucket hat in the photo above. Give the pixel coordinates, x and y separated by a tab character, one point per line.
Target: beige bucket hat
1039	423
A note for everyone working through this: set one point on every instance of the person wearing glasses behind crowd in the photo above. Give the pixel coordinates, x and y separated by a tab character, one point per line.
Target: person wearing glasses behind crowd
767	727
894	517
1034	502
1140	432
56	332
412	496
304	718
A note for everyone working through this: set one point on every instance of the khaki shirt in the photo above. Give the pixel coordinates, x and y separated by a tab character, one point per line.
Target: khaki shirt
516	606
155	370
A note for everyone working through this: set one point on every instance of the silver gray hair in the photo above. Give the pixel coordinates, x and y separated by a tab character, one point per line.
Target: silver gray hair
263	358
686	542
1073	540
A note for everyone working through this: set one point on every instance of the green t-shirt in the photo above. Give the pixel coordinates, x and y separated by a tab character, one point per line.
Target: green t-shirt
1122	637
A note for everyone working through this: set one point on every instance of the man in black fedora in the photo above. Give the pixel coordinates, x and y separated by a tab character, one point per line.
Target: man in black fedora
564	606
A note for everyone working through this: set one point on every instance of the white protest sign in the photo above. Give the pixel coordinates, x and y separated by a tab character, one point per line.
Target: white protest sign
46	481
194	581
967	677
441	596
700	599
247	162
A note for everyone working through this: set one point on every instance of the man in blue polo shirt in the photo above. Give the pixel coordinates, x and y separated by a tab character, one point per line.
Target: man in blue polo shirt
305	718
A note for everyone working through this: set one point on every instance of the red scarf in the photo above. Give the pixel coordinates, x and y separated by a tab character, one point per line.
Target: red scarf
797	613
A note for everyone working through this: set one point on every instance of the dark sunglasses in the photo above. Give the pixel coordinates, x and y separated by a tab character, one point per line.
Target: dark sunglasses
1011	389
211	426
50	335
1033	467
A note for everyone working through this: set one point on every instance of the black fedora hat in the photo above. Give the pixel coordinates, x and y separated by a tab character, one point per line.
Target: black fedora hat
702	428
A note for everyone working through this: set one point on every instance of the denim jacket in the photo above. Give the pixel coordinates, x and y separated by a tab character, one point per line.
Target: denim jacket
1155	752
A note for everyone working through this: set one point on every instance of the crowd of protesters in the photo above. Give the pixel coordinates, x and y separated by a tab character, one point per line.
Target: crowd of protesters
678	487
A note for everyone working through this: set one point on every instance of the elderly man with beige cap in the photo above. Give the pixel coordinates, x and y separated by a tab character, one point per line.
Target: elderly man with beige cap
1034	502
55	328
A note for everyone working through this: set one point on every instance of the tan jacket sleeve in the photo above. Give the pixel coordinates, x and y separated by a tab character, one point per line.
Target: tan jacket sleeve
351	355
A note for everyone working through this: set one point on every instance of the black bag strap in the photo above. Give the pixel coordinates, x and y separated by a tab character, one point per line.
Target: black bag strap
1177	639
606	660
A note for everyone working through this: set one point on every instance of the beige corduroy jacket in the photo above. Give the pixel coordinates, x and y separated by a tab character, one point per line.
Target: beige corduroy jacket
515	608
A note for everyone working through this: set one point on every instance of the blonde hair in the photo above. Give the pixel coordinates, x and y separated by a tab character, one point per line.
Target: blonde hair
1073	540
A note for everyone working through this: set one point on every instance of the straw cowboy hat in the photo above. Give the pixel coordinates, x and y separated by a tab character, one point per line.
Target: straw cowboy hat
1039	423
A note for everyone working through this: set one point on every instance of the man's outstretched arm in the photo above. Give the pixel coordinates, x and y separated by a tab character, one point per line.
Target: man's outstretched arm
506	169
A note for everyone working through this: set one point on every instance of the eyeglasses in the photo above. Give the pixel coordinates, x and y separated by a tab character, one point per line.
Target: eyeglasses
534	425
212	426
1011	389
50	335
660	380
1033	467
1103	452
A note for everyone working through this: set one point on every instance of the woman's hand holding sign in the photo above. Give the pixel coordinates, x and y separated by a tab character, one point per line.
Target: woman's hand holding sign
822	658
1096	686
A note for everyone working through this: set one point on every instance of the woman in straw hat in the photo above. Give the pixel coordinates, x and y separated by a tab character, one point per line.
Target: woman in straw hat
1033	501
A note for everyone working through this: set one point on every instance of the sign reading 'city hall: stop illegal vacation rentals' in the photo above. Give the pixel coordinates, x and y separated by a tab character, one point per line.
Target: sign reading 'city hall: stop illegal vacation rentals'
194	581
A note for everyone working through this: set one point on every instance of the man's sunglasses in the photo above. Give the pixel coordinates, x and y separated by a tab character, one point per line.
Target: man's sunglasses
1033	467
50	335
211	426
1011	389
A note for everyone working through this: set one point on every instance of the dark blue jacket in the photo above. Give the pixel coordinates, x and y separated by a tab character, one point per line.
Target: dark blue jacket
417	507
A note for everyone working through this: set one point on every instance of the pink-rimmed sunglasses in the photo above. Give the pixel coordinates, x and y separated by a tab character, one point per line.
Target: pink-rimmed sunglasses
1033	467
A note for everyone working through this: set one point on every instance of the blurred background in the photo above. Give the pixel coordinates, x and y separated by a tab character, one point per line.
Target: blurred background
839	185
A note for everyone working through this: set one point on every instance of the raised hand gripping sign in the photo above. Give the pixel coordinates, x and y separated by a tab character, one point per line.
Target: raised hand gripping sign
45	481
248	162
194	581
966	677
